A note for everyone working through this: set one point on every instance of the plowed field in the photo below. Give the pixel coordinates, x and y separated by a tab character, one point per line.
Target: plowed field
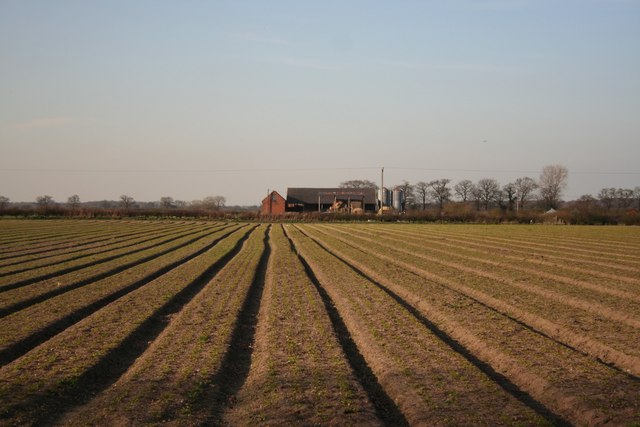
211	323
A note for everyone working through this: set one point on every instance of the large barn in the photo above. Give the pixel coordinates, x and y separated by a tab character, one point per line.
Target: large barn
347	200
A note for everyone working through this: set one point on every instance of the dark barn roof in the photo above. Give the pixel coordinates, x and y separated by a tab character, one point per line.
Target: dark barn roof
309	196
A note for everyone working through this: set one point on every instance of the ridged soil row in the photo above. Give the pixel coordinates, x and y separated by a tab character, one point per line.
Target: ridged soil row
604	237
565	260
431	382
34	237
597	295
49	263
99	240
14	281
561	263
92	354
591	327
102	236
22	297
299	374
173	380
568	383
23	330
612	254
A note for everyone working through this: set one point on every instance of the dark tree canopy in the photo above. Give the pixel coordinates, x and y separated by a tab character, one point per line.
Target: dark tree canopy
358	183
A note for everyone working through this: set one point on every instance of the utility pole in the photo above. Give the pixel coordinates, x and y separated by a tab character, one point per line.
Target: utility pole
381	193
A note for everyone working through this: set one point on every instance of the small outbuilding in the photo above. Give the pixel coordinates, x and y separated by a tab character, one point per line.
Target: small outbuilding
273	204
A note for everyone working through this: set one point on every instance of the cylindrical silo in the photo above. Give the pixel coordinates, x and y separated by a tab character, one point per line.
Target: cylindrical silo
398	196
384	196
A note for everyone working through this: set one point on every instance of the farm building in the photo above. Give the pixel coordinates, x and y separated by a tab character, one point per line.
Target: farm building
273	204
347	200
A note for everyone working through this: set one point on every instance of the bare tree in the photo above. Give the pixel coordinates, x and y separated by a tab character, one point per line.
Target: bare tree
553	181
407	192
607	197
214	203
126	202
4	202
476	196
44	201
488	191
73	202
624	197
509	191
463	189
358	183
636	195
167	202
422	191
440	191
525	188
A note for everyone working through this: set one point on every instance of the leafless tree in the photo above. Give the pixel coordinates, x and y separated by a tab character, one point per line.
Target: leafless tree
422	192
624	197
636	195
488	190
553	181
4	202
126	202
607	197
463	189
73	202
214	203
476	196
407	192
525	188
509	192
440	191
358	183
44	201
167	202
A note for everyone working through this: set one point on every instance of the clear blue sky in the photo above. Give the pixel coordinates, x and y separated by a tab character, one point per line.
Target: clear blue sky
195	98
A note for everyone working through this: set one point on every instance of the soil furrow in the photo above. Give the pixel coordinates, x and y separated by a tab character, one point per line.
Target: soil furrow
584	344
34	279
112	246
171	380
565	395
85	366
529	287
385	407
553	259
77	245
48	330
43	295
428	380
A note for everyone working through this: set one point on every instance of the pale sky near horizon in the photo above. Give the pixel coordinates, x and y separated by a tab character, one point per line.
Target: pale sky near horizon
195	98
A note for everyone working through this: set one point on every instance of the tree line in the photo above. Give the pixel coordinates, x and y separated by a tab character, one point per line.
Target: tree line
519	196
126	205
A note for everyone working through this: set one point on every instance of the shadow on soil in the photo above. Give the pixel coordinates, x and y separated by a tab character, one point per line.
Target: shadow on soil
385	407
48	409
25	345
487	369
234	369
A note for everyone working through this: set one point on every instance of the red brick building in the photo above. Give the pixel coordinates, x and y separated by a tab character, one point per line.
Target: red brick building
273	204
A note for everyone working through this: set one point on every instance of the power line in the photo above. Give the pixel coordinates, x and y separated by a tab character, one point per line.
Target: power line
313	169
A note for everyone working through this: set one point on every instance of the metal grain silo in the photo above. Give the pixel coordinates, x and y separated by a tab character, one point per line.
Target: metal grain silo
398	198
384	196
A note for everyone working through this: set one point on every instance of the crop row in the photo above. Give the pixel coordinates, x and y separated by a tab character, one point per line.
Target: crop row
505	337
84	358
